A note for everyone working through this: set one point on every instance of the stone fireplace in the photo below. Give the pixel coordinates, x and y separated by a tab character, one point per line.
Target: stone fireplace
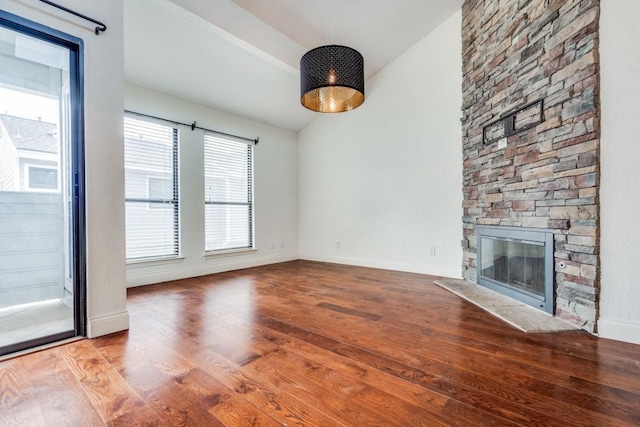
544	176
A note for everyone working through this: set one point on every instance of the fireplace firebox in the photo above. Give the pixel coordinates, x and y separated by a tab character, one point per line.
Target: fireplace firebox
517	262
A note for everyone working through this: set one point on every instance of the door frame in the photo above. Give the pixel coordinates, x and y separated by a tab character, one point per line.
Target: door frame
77	241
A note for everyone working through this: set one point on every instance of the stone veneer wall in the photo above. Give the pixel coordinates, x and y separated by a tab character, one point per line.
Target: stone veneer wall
514	52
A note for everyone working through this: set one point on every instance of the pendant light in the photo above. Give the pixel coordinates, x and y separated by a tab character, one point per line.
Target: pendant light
332	79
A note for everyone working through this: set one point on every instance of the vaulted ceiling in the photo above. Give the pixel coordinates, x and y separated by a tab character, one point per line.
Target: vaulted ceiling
242	56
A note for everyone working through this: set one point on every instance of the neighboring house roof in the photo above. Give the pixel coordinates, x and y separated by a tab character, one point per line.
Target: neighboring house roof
33	135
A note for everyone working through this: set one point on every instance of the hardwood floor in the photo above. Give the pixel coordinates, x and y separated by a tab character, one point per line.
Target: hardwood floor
305	343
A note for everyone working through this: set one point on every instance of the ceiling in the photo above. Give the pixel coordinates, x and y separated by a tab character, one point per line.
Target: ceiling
242	56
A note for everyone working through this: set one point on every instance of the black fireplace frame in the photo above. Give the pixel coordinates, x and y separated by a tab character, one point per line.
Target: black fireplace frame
534	236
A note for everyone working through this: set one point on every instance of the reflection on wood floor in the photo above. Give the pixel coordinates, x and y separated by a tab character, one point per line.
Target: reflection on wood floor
305	343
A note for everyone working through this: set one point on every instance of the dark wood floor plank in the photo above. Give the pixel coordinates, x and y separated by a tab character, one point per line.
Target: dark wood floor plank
349	311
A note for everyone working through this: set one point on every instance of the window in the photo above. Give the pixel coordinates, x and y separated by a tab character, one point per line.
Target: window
228	198
42	178
151	189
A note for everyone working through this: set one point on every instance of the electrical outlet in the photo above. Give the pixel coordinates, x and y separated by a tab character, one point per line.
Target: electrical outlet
337	244
502	143
282	243
273	245
432	251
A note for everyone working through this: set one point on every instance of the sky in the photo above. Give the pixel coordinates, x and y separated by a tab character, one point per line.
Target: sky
28	106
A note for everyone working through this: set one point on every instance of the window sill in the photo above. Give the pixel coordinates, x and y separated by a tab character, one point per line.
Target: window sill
228	252
148	262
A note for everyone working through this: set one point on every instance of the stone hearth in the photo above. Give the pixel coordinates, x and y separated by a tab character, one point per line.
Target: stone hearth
517	314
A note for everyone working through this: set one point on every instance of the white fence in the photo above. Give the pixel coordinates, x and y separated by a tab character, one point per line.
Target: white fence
31	247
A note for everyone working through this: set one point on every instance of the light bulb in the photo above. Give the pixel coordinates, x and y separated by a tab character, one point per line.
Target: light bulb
332	78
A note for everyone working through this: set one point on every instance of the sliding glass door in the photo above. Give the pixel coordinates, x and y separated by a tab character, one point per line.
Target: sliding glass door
41	186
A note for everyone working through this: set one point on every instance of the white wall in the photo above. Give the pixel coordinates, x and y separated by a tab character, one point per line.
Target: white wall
385	180
620	181
275	188
103	86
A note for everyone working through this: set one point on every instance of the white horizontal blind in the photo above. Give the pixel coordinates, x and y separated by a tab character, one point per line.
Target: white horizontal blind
151	189
228	198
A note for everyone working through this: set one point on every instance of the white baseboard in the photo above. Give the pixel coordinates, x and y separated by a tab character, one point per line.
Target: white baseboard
619	331
434	270
107	324
169	272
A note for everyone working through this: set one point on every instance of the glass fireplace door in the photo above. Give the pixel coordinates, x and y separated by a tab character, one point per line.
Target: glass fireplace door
517	262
